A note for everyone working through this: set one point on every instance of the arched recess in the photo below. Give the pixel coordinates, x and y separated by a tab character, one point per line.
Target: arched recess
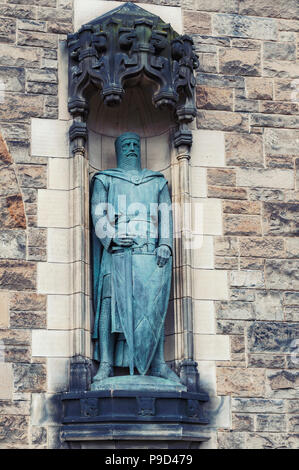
129	71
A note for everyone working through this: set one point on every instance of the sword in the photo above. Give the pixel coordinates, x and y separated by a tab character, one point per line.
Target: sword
123	286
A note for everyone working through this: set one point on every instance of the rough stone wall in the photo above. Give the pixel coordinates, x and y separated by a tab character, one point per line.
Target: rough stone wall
248	88
29	35
247	94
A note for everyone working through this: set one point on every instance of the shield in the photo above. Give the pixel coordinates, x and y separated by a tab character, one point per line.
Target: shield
141	292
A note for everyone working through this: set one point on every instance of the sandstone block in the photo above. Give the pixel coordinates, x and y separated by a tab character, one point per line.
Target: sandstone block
259	194
280	219
242	225
41	76
14	431
261	247
242	294
10	337
291	298
6	386
239	61
283	380
13	56
248	279
230	6
254	264
41	88
51	343
284	161
12	78
224	192
241	207
5	156
281	9
237	381
12	213
274	423
271	337
279	51
245	27
231	440
55	14
281	274
21	106
281	141
17	275
226	246
7	30
59	27
28	319
284	89
197	22
33	176
259	88
220	81
29	377
226	263
210	284
271	440
238	310
244	149
242	422
280	68
214	98
32	25
212	348
34	38
4	310
246	106
269	120
222	121
221	177
266	361
18	354
231	327
265	178
257	405
17	11
268	306
39	435
8	181
13	244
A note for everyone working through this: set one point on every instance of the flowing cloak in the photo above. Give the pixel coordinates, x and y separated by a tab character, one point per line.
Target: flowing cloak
149	187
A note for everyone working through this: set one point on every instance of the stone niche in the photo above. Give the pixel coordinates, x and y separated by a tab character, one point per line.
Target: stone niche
130	71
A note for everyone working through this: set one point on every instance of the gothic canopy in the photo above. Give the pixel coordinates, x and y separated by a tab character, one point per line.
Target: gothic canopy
113	51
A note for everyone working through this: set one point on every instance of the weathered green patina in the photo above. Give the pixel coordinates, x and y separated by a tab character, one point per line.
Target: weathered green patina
132	265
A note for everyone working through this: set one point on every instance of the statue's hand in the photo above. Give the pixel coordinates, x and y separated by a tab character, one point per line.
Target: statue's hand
123	241
163	253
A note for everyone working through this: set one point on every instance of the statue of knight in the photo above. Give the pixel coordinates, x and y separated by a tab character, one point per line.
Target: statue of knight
132	265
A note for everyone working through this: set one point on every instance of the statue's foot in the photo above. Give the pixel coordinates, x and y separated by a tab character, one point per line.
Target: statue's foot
105	370
162	370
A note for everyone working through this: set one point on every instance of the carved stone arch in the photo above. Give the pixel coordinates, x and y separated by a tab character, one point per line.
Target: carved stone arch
127	56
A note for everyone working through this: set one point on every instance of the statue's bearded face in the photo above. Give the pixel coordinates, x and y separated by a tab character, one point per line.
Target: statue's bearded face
130	148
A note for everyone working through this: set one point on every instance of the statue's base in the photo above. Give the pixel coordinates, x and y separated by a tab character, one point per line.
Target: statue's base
140	383
122	419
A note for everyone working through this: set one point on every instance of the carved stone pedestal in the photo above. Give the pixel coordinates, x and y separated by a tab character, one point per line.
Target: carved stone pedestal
122	419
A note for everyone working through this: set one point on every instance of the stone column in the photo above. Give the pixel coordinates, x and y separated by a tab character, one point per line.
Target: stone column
80	376
183	256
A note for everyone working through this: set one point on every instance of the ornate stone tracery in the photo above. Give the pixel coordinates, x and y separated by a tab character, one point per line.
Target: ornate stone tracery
115	50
